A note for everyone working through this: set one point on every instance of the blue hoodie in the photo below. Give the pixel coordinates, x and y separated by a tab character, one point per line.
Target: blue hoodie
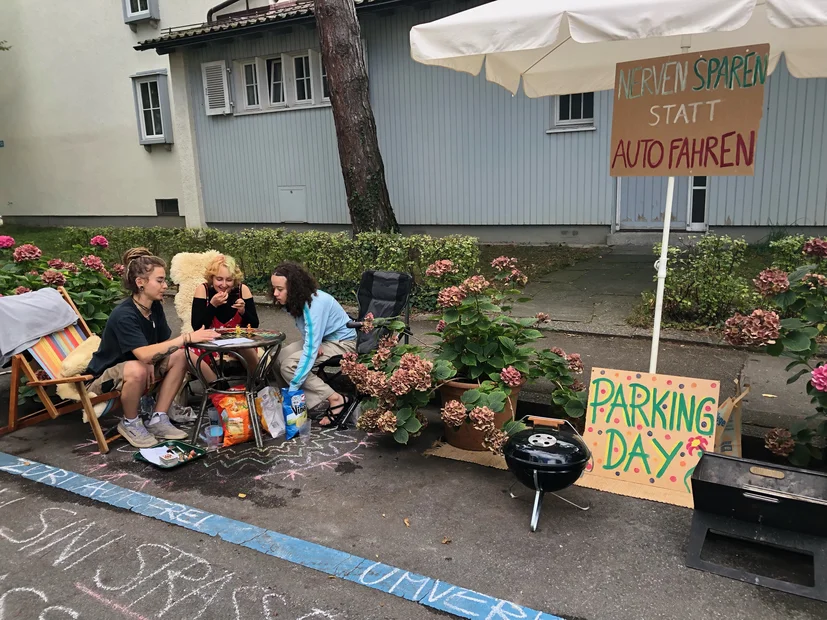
323	320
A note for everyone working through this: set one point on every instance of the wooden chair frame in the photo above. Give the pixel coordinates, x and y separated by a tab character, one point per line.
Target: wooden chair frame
51	410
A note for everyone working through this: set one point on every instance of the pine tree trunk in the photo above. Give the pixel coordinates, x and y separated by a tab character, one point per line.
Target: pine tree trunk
362	167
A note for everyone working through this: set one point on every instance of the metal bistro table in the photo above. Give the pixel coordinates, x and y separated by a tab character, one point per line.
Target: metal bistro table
270	341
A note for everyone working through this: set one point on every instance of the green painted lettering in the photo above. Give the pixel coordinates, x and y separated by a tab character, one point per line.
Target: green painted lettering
749	78
610	450
723	72
681	71
624	85
685	414
618	402
712	70
657	409
696	69
636	405
761	64
638	452
598	386
705	420
737	63
668	456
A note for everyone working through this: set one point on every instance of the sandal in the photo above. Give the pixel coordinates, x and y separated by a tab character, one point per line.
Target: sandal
337	415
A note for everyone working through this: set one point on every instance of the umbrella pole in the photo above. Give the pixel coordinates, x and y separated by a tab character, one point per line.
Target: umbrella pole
661	267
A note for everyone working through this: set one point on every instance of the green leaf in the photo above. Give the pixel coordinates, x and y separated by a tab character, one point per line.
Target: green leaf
798	274
471	397
475	372
512	427
404	414
812	315
444	370
796	341
474	347
792	365
523	367
797	427
469	359
507	342
523	300
800	456
413	425
490	348
816	453
792	323
401	435
785	299
797	376
100	316
775	349
496	401
451	315
397	326
574	408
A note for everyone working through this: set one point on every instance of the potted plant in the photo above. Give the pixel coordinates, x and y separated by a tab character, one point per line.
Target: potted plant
481	361
801	297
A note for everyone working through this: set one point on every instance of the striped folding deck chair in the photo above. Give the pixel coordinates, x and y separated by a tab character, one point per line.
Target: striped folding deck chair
48	354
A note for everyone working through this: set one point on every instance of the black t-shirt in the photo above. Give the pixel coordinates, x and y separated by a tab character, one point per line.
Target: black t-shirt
127	330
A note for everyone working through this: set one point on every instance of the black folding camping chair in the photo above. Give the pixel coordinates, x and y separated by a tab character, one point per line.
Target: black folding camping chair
385	294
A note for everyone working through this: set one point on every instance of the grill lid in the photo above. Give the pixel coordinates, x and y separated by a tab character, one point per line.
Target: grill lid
547	448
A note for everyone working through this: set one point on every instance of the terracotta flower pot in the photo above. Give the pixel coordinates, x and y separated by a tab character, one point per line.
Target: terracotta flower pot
466	437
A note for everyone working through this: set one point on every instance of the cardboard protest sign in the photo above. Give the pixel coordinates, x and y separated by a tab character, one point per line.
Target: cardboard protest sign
647	433
728	427
690	114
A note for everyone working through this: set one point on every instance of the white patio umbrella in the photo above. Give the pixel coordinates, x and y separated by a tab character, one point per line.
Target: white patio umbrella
559	47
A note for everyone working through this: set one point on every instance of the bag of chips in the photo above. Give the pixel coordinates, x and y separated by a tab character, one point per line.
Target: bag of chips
294	407
235	417
268	406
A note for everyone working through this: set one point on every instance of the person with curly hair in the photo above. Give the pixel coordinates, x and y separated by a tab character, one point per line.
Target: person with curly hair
137	351
323	324
223	301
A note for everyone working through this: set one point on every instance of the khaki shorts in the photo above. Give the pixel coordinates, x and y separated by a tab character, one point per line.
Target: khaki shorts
112	378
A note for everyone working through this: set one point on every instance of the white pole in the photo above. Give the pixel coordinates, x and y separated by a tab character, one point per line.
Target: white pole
660	265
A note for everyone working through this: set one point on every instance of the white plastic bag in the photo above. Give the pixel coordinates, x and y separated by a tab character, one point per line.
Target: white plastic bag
268	407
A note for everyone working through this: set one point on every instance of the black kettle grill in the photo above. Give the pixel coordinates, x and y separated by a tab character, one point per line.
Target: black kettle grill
547	459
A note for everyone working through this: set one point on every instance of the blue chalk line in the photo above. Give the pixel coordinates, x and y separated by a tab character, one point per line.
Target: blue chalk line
420	589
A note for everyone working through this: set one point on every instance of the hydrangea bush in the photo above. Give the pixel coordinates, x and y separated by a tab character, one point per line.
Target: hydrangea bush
801	296
479	342
93	289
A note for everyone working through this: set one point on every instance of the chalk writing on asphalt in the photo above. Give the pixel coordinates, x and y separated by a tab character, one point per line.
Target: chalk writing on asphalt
149	579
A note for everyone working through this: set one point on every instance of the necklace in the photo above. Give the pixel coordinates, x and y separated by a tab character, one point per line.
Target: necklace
146	312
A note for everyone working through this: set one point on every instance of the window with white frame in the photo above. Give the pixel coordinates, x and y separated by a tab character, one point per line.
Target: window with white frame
325	87
697	203
250	77
575	111
275	79
140	10
303	79
152	107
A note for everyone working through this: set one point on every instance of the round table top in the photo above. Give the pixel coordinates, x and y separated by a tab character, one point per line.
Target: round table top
257	338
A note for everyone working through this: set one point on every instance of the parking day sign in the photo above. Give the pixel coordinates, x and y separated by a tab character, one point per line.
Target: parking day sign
647	433
690	114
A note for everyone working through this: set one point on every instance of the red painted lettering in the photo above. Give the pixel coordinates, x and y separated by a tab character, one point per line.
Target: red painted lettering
658	144
621	153
747	151
684	154
709	151
697	151
725	149
673	146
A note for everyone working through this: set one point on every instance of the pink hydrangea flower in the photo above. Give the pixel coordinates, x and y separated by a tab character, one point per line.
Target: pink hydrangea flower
542	317
474	285
6	242
771	282
450	297
759	328
511	376
367	322
117	269
819	378
56	263
99	241
51	277
22	289
440	327
93	262
503	263
440	268
517	277
25	252
816	248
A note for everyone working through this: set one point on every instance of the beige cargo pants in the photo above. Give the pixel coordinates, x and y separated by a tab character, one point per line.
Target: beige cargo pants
315	389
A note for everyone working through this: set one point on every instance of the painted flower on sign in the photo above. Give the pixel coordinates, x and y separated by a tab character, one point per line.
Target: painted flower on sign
696	443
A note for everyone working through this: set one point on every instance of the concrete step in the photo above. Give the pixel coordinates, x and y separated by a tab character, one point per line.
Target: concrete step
646	239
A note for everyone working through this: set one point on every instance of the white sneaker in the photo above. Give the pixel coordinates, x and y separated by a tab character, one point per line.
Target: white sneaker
182	415
136	434
160	426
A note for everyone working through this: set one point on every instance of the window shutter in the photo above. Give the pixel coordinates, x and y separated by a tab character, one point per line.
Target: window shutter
216	91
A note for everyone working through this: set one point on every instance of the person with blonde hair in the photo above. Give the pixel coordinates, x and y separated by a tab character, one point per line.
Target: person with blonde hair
137	350
224	301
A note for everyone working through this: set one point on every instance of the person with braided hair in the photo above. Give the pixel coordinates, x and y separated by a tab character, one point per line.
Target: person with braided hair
137	351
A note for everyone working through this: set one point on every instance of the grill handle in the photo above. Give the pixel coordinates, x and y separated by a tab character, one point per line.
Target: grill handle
761	498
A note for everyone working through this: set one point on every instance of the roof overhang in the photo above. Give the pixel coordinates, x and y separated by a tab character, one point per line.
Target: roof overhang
246	23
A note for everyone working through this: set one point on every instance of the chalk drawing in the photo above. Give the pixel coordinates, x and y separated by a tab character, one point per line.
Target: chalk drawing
278	460
149	581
